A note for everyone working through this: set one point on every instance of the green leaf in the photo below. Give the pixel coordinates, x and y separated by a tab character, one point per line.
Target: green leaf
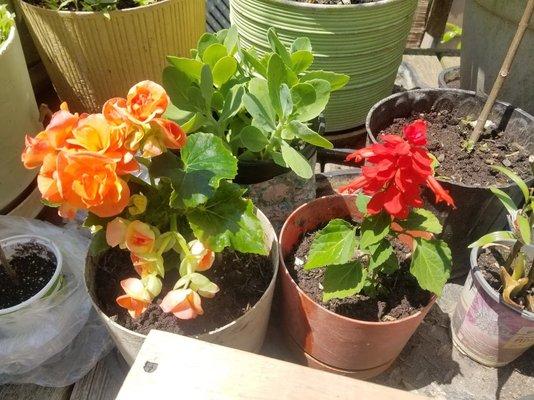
301	43
381	253
205	41
214	53
516	179
98	243
258	112
253	138
278	47
276	75
525	229
361	202
303	94
302	131
492	238
197	100
286	101
177	85
337	81
232	102
296	161
341	281
374	229
258	87
196	122
255	63
322	93
420	219
301	60
333	245
506	201
231	40
188	66
431	264
206	85
223	70
228	220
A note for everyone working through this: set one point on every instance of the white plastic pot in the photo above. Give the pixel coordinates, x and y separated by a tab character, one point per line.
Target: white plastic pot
484	327
245	333
9	244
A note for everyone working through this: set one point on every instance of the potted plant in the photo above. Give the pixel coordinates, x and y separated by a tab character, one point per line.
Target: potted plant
359	273
165	241
467	175
493	322
30	269
265	109
363	39
19	112
93	49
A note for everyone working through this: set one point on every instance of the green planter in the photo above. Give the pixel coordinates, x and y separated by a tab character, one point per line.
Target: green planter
365	41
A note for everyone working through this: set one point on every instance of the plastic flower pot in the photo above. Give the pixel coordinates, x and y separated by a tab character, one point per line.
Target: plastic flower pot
19	116
325	339
449	78
484	327
9	244
495	22
364	41
93	56
245	333
478	211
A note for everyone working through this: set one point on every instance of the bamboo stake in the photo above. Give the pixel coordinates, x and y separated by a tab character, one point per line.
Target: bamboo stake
503	74
5	263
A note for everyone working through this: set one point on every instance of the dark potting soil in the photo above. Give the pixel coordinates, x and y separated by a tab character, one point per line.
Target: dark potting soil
403	299
48	4
446	134
336	2
242	280
454	83
34	265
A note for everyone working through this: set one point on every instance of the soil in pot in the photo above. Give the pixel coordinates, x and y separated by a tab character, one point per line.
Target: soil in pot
72	6
447	132
242	279
404	298
336	2
35	265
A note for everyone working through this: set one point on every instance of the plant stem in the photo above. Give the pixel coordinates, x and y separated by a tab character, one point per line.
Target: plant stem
10	271
511	257
503	73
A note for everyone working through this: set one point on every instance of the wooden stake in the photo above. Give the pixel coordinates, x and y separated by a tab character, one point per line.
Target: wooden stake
503	74
5	263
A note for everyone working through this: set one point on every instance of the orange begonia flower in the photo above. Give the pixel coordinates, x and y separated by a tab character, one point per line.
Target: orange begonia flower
204	257
116	232
145	101
136	299
183	303
36	149
140	237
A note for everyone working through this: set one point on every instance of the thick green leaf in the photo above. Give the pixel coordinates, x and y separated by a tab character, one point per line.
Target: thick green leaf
255	63
341	281
374	229
214	53
205	41
492	238
303	94
506	201
258	87
301	43
303	132
516	179
223	70
334	244
380	254
525	230
322	93
228	220
278	47
337	81
276	76
296	161
361	202
261	117
231	41
177	84
253	138
233	102
431	264
206	85
197	99
194	123
286	101
420	219
301	61
188	66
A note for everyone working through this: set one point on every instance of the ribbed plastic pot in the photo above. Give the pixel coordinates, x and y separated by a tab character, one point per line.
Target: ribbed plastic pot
19	116
364	41
324	339
495	22
93	56
478	211
245	333
486	328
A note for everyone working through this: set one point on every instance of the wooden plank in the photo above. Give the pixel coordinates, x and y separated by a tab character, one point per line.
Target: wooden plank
104	380
449	62
33	392
189	368
427	69
435	24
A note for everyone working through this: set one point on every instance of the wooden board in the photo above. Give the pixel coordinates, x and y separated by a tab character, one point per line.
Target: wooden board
33	392
427	68
448	61
189	368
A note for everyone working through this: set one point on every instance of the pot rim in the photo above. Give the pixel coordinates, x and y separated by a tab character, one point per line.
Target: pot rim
496	296
426	90
275	261
285	271
10	39
85	14
336	7
59	262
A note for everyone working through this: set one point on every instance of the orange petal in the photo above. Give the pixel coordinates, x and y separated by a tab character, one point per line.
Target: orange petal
135	289
140	237
116	232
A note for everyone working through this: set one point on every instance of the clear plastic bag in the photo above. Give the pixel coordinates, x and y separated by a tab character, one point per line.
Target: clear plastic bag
53	342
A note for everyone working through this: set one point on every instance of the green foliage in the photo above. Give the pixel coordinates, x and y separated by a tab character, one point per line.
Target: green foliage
343	281
7	20
431	264
94	5
261	105
453	32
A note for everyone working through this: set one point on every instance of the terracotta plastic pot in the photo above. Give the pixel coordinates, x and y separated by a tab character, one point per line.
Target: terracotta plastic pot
324	339
19	116
9	245
93	56
245	333
486	328
478	211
